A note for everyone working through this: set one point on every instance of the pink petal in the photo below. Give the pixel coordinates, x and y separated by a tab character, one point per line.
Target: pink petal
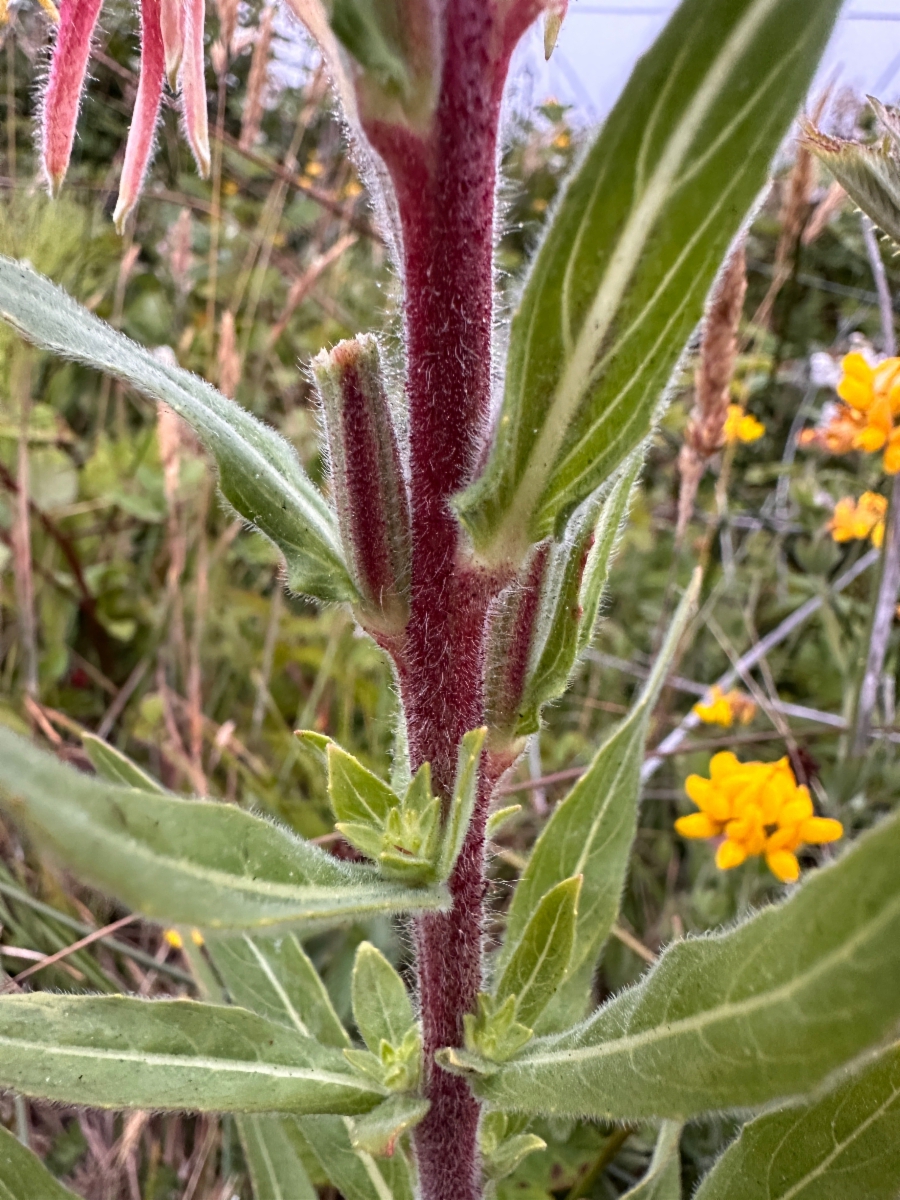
171	17
59	110
139	148
193	84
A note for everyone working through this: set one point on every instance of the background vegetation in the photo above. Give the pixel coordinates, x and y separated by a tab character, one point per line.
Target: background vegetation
133	605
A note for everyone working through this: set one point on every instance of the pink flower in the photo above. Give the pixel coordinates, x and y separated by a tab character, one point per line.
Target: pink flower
171	45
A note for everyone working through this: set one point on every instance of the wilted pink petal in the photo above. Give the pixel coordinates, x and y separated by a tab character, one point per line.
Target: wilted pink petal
77	19
139	149
171	19
193	84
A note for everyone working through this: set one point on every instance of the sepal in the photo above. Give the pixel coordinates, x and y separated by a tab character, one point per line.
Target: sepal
493	1031
367	479
395	1068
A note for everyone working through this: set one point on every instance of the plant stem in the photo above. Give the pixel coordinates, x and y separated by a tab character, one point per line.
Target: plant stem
445	187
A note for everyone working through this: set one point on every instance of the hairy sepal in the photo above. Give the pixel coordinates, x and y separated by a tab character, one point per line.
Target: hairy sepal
259	473
619	282
367	479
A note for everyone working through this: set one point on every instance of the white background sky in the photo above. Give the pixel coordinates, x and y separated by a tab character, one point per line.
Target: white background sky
601	39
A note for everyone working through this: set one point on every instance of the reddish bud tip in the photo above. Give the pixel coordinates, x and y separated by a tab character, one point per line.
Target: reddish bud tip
77	19
139	149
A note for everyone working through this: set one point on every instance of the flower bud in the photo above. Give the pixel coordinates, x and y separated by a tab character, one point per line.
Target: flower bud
367	478
62	99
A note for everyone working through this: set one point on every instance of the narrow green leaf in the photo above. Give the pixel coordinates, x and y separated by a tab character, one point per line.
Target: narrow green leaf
274	977
619	282
606	538
844	1144
113	766
378	1131
381	1005
23	1176
119	1052
186	862
663	1178
356	794
462	805
259	472
539	962
355	1173
761	1012
276	1169
590	834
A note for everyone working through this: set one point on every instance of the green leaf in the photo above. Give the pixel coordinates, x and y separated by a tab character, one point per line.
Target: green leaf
274	977
607	533
844	1144
23	1176
113	766
764	1011
356	794
539	962
377	1132
590	834
276	1169
870	175
381	1005
663	1178
186	862
462	804
259	472
355	1173
120	1052
619	282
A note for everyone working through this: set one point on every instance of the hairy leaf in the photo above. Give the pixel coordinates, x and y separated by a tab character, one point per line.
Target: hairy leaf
590	835
381	1005
355	1173
539	962
259	472
113	766
377	1132
186	862
844	1144
120	1052
276	1169
764	1011
23	1176
619	283
663	1178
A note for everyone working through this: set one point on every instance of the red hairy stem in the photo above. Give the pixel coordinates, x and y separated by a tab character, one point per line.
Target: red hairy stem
445	180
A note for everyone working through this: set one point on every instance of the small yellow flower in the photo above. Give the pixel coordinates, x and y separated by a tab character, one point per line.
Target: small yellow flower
741	427
865	421
174	938
197	937
858	519
722	709
757	809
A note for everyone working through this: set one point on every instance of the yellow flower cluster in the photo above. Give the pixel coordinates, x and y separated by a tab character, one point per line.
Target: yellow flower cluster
722	708
758	809
862	518
741	427
865	421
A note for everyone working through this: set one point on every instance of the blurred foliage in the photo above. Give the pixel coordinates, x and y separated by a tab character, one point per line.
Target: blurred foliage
131	604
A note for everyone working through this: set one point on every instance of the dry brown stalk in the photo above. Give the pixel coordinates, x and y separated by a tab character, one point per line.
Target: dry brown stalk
229	358
257	80
828	206
705	434
302	286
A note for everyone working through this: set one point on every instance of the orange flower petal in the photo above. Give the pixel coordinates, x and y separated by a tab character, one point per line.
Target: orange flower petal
815	831
697	825
784	865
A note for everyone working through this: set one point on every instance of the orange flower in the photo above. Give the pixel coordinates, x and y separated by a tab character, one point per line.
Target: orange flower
757	809
722	709
865	421
863	518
